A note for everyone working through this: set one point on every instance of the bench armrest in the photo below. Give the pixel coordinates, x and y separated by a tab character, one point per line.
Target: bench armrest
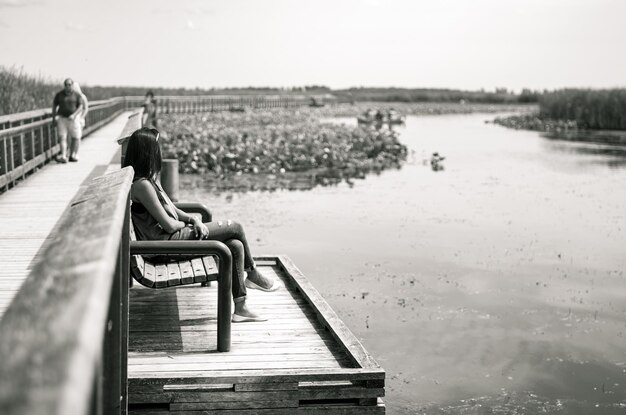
196	207
198	247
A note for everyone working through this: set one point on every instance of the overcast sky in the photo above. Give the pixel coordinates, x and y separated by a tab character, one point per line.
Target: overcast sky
468	44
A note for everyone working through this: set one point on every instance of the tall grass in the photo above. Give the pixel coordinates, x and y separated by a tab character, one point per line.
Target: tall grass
603	109
21	92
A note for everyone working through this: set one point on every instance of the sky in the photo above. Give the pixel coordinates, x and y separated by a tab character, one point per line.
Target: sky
465	44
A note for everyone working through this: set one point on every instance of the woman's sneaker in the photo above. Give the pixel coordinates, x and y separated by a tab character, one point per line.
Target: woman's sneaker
61	160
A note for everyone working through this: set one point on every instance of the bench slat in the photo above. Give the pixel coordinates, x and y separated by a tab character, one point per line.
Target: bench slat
211	268
186	272
149	275
173	274
199	274
161	276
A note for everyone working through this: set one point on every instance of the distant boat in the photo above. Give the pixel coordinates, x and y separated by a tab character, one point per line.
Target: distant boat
386	119
316	103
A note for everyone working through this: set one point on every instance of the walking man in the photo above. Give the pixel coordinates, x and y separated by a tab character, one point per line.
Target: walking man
70	105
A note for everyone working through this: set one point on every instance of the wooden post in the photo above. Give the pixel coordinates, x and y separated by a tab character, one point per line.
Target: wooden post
5	164
125	301
21	154
10	156
42	147
169	178
112	349
224	287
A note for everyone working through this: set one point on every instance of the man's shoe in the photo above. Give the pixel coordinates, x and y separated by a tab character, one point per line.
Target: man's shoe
74	159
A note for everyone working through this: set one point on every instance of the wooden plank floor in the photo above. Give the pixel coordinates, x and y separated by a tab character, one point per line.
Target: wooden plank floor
30	211
173	333
291	363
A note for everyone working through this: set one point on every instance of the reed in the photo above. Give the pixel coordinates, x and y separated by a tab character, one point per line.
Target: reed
601	109
21	92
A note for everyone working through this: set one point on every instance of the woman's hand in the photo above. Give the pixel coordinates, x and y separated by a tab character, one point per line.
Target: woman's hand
202	232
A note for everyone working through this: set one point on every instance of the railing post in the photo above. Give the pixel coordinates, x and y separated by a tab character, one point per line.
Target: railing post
21	155
169	178
125	300
116	337
41	143
11	158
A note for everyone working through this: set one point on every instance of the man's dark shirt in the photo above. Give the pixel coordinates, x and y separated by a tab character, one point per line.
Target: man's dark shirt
68	104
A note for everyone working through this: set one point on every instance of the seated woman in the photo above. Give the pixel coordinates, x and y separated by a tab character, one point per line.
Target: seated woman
156	218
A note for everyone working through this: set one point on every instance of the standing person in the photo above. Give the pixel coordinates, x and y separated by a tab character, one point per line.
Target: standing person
156	218
75	143
70	105
149	117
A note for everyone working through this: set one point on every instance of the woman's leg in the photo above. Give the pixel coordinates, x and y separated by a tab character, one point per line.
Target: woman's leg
223	230
228	229
242	312
238	276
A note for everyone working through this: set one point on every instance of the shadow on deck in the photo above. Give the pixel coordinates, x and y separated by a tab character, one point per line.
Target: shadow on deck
302	360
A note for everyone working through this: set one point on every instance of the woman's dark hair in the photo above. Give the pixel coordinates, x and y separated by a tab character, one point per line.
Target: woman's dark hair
143	153
150	94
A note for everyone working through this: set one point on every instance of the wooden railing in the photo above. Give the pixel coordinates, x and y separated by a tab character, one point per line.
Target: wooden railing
64	337
208	103
28	140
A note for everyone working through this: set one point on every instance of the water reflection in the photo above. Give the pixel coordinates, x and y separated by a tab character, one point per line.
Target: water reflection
242	183
495	287
613	156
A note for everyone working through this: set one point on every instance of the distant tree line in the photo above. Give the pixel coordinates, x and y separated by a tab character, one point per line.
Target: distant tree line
501	95
594	109
601	109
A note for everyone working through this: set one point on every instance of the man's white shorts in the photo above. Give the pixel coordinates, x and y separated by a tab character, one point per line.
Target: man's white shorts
69	127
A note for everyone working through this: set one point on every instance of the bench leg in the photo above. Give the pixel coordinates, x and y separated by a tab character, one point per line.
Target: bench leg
224	287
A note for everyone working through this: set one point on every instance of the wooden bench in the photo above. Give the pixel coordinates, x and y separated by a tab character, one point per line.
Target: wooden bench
161	273
167	271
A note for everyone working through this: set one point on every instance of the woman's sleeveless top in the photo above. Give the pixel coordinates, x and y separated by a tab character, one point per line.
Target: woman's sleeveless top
146	226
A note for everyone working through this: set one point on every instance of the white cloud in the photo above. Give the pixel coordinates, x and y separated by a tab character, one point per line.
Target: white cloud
189	25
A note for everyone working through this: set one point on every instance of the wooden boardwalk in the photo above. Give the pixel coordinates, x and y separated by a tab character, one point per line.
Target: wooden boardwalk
30	211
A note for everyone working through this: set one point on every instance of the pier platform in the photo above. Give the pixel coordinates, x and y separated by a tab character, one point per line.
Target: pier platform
302	360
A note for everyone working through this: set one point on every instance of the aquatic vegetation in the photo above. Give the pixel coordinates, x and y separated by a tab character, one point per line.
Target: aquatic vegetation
421	108
574	109
275	142
603	109
536	123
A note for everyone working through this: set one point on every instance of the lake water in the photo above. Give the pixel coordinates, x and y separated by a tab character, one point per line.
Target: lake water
496	284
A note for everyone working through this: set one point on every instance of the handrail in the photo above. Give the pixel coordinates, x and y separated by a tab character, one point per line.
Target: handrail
30	141
63	339
19	118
